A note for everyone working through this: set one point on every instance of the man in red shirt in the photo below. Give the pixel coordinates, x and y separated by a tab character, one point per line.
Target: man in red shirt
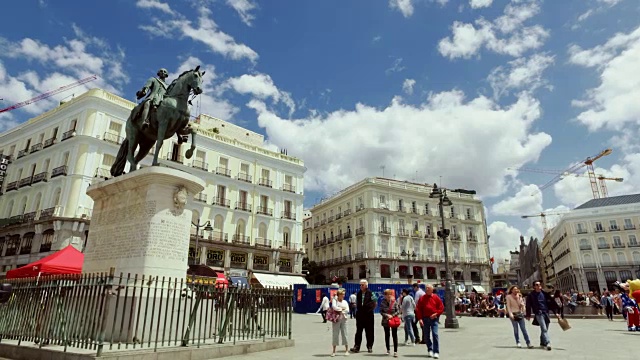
428	310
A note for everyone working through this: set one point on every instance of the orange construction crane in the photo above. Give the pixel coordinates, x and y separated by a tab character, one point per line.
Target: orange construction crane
543	217
563	173
49	93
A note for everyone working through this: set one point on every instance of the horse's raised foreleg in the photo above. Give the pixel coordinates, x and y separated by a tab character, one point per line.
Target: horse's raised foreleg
189	153
133	165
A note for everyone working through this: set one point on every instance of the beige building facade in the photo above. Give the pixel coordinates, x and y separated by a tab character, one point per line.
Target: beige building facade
253	196
385	230
595	245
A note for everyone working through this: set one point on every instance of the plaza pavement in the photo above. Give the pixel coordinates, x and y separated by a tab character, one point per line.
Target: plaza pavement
478	338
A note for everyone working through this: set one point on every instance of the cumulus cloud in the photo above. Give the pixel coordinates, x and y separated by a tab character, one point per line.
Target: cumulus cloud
520	74
156	5
614	103
503	238
447	134
407	86
527	201
244	9
404	6
260	86
476	4
205	31
506	35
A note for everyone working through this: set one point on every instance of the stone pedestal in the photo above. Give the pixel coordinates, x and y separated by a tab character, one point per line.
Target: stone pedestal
141	223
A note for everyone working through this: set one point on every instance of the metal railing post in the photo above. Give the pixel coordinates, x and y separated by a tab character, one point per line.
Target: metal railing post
105	311
192	317
290	308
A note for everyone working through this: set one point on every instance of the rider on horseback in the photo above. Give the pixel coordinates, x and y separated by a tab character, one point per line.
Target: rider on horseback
156	87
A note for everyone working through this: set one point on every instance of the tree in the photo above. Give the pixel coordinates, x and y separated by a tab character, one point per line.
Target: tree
314	274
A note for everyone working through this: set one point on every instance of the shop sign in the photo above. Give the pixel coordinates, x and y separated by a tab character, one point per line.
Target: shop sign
4	163
215	257
239	260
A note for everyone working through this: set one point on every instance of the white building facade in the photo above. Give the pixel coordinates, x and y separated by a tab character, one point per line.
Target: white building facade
253	196
385	231
595	245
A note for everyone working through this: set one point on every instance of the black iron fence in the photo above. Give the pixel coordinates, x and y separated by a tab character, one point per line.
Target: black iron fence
104	312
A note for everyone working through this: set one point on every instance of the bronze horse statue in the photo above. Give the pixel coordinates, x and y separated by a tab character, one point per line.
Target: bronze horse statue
171	117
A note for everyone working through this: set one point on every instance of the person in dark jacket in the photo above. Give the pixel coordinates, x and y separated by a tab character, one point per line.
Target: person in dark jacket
540	303
365	306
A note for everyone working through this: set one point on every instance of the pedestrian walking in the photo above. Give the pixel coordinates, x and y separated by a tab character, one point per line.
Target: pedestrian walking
340	306
352	304
607	302
559	299
539	303
417	294
408	308
389	309
515	310
365	305
324	306
428	311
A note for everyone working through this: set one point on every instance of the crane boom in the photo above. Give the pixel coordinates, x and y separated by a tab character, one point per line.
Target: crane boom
543	218
49	93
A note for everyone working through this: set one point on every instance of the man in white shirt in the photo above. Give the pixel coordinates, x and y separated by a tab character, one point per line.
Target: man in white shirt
324	306
417	294
353	300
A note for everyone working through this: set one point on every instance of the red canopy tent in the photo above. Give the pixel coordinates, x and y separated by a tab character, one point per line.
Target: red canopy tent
66	261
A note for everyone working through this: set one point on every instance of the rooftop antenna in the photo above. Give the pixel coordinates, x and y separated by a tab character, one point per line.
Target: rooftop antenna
382	167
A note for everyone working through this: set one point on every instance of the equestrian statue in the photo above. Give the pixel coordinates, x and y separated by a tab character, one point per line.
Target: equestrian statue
163	113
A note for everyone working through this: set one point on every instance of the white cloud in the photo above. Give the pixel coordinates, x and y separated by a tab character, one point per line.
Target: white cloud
376	39
476	4
155	4
407	86
396	66
260	86
610	2
471	142
507	34
404	6
520	74
503	238
206	31
244	8
527	201
614	103
208	102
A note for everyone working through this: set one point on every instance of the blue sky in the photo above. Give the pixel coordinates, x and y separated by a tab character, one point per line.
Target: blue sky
458	89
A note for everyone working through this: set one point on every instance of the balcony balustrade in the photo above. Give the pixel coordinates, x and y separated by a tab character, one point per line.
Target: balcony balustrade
243	206
264	211
68	135
289	188
40	177
200	198
174	157
244	177
112	138
241	239
220	201
265	182
288	215
25	181
49	142
199	164
35	148
262	242
385	230
223	171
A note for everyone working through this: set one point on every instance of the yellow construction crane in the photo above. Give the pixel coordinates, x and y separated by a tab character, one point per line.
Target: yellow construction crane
543	217
588	162
604	192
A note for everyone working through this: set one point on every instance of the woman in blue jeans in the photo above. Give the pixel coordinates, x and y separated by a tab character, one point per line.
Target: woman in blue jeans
408	308
516	311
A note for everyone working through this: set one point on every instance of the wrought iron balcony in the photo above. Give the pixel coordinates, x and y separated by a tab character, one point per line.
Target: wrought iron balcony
22	153
201	198
416	234
614	228
403	232
49	142
288	187
243	206
585	247
347	212
59	171
317	224
112	138
618	246
385	230
359	207
41	177
360	231
331	240
45	247
402	208
25	181
604	246
330	219
244	177
35	148
218	236
322	222
288	215
347	235
264	211
429	236
68	135
223	171
12	186
262	242
599	230
241	239
199	164
47	213
265	182
415	211
629	227
29	217
177	158
472	238
220	201
338	216
386	255
635	244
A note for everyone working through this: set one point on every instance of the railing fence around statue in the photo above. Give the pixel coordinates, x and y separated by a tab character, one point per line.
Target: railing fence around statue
105	312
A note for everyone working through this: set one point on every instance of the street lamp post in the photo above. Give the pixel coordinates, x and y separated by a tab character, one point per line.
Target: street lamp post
207	227
451	321
410	269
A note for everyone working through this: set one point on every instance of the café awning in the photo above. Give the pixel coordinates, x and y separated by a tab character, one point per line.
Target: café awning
279	281
479	289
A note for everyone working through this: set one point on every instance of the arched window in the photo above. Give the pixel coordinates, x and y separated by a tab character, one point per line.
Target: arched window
240	227
286	237
636	257
262	231
587	259
47	240
606	258
55	200
36	202
218	223
9	210
622	259
583	243
23	206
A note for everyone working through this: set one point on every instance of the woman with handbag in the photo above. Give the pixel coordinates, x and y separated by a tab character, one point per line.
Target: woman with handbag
389	309
516	310
337	314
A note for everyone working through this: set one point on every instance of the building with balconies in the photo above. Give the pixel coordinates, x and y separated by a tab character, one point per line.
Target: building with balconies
253	196
385	231
595	245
